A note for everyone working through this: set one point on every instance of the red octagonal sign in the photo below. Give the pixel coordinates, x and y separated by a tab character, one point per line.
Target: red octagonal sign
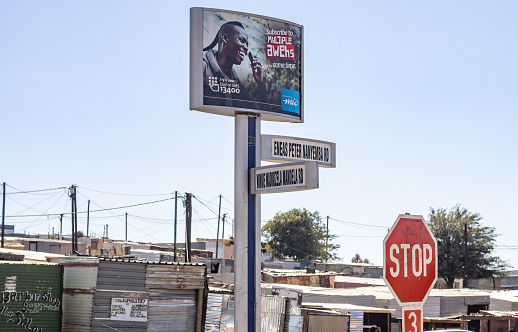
410	260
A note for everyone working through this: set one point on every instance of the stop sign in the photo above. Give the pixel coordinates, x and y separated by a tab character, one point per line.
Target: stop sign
410	260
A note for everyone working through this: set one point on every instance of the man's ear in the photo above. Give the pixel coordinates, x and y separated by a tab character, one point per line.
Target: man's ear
224	37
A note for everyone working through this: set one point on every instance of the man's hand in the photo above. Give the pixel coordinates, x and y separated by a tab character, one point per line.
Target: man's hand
258	72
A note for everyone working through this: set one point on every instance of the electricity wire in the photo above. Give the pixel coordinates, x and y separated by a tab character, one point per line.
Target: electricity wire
358	224
31	191
119	194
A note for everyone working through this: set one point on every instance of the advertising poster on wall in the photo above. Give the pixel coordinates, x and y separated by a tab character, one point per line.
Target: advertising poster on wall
246	63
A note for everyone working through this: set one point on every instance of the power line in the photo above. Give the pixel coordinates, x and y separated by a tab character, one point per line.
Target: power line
208	202
32	206
30	191
229	202
119	194
102	210
209	208
358	224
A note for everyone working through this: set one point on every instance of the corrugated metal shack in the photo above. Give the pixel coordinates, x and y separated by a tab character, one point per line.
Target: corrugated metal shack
31	296
495	321
360	316
220	312
354	282
297	277
318	320
510	281
298	294
504	301
136	296
360	269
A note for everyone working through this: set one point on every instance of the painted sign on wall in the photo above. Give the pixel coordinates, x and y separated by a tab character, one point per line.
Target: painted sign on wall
129	309
30	297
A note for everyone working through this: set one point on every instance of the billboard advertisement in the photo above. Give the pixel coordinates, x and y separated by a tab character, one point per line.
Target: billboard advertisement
246	63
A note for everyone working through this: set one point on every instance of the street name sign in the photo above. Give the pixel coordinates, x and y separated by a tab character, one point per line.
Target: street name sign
410	260
285	149
284	177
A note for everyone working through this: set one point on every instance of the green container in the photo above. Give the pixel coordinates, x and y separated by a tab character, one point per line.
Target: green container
30	297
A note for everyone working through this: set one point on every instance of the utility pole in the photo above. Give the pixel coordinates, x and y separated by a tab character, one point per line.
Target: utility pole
106	231
188	220
217	232
223	230
223	234
126	237
88	220
61	226
3	215
327	237
465	282
175	220
74	218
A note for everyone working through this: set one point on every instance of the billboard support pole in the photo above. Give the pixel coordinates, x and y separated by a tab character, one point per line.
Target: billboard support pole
247	238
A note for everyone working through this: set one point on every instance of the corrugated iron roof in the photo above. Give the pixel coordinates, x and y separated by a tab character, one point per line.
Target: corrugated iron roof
294	273
149	263
496	314
346	307
31	255
360	280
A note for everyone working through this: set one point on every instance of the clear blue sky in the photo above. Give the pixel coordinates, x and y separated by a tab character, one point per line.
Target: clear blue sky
420	98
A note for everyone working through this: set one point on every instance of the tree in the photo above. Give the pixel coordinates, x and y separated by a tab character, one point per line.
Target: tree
357	259
464	245
300	235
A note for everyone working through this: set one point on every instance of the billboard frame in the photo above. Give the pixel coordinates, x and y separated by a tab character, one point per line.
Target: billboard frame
196	71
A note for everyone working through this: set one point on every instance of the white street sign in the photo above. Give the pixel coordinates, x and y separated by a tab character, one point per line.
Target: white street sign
291	149
284	177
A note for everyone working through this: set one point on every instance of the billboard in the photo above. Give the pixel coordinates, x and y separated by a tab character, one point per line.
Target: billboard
246	63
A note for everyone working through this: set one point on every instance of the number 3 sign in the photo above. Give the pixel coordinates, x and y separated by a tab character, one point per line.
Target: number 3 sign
412	319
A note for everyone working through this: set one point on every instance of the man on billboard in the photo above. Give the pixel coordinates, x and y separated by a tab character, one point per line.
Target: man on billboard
219	76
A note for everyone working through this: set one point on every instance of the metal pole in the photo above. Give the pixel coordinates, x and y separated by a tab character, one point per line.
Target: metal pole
61	226
75	219
126	237
217	232
465	282
223	228
247	216
327	237
257	223
240	225
175	220
73	216
188	220
88	220
3	215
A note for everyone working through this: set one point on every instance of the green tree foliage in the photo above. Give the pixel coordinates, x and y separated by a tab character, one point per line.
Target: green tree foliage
299	234
448	228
